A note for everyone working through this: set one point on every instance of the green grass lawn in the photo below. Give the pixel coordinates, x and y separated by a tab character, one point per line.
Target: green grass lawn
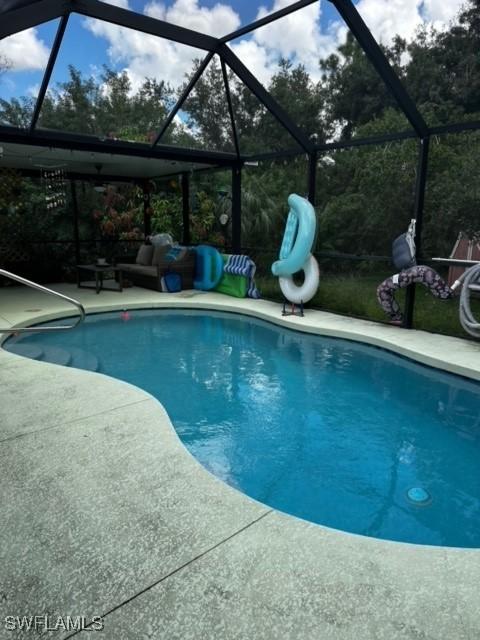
355	295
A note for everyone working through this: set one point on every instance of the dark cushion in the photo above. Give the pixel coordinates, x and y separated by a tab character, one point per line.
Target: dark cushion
159	253
185	267
145	255
186	261
176	253
403	252
138	268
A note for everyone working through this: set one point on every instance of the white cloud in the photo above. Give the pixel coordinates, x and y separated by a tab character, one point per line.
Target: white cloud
217	21
256	58
301	36
297	36
123	4
25	51
143	55
440	12
387	18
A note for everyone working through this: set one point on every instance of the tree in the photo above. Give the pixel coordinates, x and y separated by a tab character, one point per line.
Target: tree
206	110
302	99
443	72
125	114
17	112
352	89
106	107
70	105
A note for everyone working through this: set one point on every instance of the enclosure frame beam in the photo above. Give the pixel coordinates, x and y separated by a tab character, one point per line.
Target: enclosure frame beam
147	218
332	146
458	127
186	208
271	17
185	93
91	177
371	140
76	229
145	24
312	177
237	208
32	15
420	187
230	108
48	71
94	144
264	97
273	155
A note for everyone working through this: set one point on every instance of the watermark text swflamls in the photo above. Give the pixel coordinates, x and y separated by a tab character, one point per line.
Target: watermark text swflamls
46	622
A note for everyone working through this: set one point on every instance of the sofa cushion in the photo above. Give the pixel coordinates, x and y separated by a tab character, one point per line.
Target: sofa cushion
159	254
139	269
145	255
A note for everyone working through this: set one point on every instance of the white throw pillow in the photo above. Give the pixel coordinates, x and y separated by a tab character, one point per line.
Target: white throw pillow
161	239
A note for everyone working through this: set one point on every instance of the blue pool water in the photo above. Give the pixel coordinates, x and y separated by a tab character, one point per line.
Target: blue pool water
338	433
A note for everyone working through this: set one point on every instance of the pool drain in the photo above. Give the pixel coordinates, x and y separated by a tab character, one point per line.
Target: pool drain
419	496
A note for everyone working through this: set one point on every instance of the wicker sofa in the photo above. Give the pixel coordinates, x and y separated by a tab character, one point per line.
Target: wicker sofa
147	268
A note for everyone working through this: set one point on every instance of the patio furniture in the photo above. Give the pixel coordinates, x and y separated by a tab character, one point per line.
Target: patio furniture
151	263
99	271
467	249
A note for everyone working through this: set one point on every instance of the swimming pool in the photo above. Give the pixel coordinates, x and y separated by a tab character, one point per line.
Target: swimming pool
332	431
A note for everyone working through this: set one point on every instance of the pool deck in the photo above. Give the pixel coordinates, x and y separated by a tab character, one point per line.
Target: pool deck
105	513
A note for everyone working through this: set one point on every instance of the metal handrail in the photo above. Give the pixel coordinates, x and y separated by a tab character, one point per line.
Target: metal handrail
34	285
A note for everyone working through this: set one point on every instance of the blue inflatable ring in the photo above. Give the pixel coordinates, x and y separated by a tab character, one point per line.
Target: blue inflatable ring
298	237
208	267
295	252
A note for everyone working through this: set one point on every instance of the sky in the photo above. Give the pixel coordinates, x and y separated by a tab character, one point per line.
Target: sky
303	37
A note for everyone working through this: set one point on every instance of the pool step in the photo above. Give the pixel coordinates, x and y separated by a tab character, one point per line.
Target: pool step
84	360
56	355
72	357
25	350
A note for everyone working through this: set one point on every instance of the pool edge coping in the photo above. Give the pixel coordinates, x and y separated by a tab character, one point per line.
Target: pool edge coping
315	322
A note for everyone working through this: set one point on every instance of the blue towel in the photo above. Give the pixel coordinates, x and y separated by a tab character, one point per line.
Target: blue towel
175	253
239	265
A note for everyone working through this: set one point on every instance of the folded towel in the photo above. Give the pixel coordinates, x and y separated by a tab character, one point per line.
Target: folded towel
175	253
239	265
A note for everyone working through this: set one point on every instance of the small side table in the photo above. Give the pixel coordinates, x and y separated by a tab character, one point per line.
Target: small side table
99	272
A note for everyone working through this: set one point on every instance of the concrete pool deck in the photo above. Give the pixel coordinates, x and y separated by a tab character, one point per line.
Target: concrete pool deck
105	513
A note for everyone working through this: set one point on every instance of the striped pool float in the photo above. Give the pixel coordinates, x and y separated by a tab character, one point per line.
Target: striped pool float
239	265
